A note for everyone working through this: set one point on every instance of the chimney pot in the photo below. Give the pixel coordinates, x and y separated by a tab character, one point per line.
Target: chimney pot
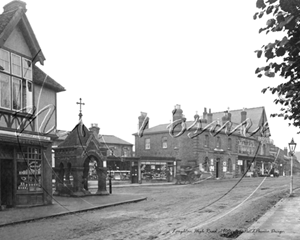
14	5
95	129
209	116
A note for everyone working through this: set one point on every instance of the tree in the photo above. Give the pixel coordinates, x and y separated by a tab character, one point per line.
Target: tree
282	56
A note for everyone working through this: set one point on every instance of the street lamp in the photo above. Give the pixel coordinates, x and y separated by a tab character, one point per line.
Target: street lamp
292	147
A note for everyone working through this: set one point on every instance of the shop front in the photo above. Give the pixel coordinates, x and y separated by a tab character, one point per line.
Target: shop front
157	169
25	175
260	166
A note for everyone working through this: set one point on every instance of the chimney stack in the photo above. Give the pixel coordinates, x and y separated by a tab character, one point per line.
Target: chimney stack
177	113
243	115
14	5
95	129
204	116
209	117
285	151
141	120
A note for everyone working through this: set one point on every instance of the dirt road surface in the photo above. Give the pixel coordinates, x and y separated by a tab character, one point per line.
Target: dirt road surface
208	210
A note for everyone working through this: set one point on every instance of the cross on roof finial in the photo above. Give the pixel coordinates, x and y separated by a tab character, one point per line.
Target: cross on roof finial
80	103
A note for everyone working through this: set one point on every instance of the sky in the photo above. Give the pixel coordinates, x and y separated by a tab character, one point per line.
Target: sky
126	57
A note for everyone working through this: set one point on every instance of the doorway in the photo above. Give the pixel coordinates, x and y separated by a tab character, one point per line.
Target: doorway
217	167
6	173
90	177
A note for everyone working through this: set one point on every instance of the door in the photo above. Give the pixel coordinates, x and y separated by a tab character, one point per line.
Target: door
6	182
134	174
217	167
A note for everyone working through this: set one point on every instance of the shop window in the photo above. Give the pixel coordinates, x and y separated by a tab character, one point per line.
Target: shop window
147	143
29	170
164	142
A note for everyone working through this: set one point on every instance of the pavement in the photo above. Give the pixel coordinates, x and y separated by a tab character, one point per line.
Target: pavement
280	222
70	205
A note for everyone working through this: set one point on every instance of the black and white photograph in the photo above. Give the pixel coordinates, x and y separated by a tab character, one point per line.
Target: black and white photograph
149	120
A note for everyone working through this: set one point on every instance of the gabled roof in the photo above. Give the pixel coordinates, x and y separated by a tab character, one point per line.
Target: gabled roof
41	78
13	15
104	139
78	136
257	116
111	139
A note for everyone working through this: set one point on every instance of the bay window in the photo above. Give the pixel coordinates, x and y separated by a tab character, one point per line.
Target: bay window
16	89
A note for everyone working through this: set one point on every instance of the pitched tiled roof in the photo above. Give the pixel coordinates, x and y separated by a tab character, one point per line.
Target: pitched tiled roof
5	18
78	136
111	139
13	15
41	78
256	115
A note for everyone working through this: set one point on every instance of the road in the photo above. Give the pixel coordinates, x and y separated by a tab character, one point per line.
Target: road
208	210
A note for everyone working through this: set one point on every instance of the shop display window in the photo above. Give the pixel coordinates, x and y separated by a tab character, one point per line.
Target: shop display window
155	171
29	170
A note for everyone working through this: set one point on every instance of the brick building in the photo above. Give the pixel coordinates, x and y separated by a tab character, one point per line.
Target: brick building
26	129
224	155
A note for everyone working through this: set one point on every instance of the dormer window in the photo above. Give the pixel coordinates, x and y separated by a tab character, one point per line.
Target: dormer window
16	89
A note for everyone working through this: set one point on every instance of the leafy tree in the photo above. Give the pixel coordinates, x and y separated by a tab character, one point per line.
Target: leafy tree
283	55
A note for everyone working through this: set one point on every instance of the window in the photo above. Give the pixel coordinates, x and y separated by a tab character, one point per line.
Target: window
263	149
15	93
164	142
125	151
27	69
206	141
4	61
206	164
229	144
16	65
29	172
5	91
16	88
147	143
229	167
218	143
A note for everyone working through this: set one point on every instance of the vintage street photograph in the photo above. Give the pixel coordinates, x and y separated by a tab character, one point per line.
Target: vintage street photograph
149	120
